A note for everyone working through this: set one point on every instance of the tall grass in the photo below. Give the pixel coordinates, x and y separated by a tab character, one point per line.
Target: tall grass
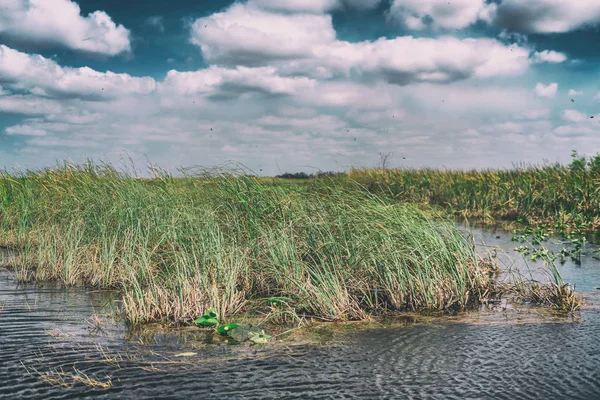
564	197
176	247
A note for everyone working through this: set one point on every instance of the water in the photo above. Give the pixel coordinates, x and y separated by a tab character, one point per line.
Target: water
511	354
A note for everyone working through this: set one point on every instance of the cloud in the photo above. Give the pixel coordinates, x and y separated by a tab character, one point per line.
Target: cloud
247	35
58	22
573	116
44	77
305	44
576	131
442	60
281	89
312	6
437	14
573	92
549	56
26	130
531	16
546	16
29	105
578	125
546	91
347	94
216	80
534	114
156	22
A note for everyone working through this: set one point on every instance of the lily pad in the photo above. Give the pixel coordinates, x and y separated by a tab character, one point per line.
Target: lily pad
226	329
210	318
206	321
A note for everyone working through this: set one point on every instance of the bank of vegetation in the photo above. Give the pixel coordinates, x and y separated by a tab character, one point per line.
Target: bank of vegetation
324	248
177	247
562	199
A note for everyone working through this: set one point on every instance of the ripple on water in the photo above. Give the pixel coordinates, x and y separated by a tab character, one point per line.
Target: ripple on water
44	327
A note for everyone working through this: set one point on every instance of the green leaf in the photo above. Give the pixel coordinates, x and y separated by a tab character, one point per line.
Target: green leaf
225	329
206	321
278	300
211	313
210	318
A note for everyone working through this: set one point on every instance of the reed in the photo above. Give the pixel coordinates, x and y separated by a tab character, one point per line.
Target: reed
178	246
565	198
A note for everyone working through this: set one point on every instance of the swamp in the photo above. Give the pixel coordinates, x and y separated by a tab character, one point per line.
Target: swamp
325	286
299	199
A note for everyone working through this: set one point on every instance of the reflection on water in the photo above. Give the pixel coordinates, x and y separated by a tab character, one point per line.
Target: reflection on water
53	333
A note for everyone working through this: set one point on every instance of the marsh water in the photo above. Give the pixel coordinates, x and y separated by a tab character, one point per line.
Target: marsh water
58	343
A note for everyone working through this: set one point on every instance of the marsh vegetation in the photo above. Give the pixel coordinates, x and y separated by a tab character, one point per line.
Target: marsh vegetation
341	247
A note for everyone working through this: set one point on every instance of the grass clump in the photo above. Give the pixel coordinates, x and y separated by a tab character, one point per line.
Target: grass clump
565	199
177	247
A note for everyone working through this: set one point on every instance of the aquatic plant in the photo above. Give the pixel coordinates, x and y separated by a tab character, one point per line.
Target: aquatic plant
210	318
225	329
259	337
564	198
176	247
555	293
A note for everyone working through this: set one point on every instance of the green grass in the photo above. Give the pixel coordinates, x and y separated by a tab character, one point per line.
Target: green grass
563	199
177	247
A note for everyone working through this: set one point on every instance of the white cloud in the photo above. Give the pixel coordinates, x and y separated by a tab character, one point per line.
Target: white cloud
549	56
547	91
531	16
249	36
45	77
579	125
437	14
534	114
29	105
303	44
573	116
347	94
443	59
573	92
576	131
327	123
216	80
26	130
312	6
282	89
59	22
547	16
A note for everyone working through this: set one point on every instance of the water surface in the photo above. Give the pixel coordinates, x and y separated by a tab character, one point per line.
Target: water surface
48	332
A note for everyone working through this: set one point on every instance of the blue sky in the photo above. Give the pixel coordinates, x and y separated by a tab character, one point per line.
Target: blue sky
299	84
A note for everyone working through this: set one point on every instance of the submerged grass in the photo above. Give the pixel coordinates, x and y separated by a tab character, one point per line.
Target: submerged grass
176	247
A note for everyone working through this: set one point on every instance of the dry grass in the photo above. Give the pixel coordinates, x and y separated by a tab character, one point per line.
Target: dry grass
58	377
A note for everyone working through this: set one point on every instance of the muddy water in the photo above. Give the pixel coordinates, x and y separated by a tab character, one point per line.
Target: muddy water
51	337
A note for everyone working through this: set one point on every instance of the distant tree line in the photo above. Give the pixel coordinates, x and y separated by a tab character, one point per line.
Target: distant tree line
304	175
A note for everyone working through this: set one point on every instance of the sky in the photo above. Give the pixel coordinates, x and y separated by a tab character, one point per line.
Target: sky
298	85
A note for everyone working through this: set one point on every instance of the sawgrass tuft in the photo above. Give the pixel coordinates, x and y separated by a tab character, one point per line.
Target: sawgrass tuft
176	247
